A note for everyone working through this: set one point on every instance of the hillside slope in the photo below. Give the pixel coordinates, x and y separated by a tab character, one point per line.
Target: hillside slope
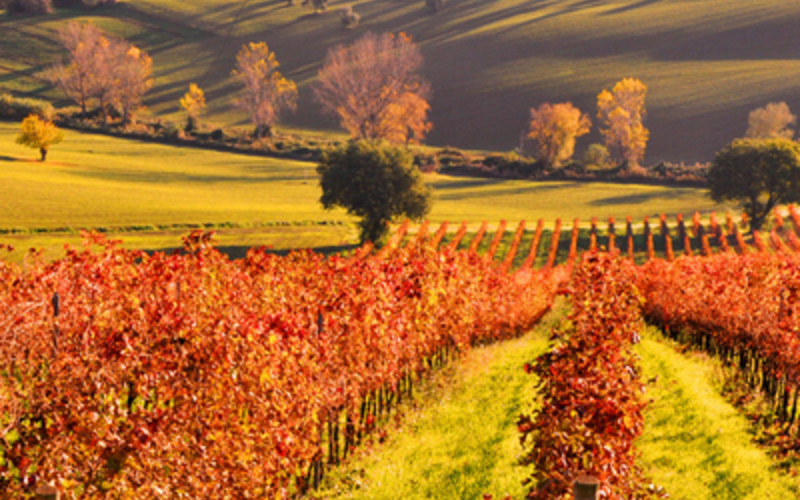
707	63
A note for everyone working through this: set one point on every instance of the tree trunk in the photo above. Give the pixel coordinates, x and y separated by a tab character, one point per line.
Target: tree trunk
43	151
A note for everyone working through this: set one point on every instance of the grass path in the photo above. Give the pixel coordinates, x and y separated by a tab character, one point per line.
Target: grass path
696	444
462	442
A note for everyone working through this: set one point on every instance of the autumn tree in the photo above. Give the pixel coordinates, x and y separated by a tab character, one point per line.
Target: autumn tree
78	79
39	134
266	92
375	181
131	78
554	128
193	102
375	89
771	122
621	113
757	173
111	71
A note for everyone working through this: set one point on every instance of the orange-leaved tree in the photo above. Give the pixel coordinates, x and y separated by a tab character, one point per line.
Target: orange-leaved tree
554	128
266	92
133	76
773	121
621	112
375	89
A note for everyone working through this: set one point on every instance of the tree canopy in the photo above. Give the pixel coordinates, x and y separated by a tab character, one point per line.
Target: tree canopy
771	122
39	134
375	89
266	92
758	174
554	128
375	181
621	113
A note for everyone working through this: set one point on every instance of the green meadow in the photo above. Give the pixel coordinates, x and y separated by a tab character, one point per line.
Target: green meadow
151	194
707	63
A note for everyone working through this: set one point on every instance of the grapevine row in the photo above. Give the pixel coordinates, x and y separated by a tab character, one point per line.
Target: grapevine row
189	375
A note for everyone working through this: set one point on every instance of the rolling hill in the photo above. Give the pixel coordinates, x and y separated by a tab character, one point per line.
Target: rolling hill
707	63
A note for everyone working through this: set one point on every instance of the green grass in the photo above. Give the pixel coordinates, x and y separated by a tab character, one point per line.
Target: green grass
463	441
707	63
696	444
96	181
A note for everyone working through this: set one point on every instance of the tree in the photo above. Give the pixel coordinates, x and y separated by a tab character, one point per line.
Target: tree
554	128
317	5
771	122
112	71
132	78
30	6
622	111
374	87
266	92
757	173
596	155
193	102
78	80
374	181
349	17
39	134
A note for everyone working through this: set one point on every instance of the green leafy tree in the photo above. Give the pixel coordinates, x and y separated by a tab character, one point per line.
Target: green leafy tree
758	174
39	134
374	181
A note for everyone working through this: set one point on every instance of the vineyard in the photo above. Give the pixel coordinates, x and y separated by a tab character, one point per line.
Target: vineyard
190	375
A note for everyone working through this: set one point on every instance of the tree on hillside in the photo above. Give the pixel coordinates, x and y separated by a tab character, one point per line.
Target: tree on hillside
621	113
317	5
757	173
193	102
375	89
29	6
108	70
78	80
374	181
771	122
266	92
554	128
39	134
133	76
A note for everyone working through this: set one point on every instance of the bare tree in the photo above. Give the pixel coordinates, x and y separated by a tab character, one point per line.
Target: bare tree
771	122
375	89
131	78
112	71
78	79
266	92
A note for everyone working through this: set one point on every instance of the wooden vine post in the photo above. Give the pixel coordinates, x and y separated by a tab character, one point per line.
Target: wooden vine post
586	488
611	235
46	492
629	236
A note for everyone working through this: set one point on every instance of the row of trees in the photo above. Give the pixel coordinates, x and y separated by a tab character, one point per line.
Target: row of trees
373	86
109	71
555	127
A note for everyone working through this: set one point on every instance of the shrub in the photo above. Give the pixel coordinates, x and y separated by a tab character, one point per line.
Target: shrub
349	17
29	7
17	108
597	156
